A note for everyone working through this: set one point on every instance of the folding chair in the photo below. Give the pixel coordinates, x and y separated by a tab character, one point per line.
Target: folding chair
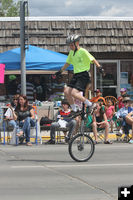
113	99
99	130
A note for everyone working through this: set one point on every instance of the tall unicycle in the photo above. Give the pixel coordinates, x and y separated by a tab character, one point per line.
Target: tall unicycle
81	147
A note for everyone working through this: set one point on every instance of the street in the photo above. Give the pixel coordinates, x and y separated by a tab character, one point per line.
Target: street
48	172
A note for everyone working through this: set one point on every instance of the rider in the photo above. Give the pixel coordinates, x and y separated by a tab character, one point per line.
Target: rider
81	59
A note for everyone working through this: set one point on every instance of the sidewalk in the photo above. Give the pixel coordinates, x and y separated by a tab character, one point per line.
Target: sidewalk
112	136
45	135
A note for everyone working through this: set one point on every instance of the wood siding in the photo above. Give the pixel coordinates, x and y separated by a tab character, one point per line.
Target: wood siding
114	38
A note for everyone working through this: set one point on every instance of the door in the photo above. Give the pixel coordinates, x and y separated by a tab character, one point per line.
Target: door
108	83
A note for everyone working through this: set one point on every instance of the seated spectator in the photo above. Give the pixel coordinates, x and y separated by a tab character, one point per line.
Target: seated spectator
101	100
63	121
30	90
121	115
24	114
97	97
123	92
129	121
9	115
99	120
110	110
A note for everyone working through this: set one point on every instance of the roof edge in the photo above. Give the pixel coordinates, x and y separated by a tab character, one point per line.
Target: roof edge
69	18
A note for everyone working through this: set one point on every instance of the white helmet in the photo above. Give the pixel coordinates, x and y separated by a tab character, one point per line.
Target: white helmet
72	38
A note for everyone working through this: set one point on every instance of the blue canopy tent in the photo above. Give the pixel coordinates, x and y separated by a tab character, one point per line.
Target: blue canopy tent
36	59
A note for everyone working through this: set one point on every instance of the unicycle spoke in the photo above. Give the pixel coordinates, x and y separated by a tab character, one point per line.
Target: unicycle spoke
81	147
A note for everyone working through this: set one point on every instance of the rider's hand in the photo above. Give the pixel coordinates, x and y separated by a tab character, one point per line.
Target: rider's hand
101	70
58	73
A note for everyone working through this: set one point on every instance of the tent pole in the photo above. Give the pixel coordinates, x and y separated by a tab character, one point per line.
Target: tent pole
22	44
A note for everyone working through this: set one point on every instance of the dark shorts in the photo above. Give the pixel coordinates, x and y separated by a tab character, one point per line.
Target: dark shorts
80	81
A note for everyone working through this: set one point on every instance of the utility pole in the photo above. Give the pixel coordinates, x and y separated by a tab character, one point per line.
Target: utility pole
22	44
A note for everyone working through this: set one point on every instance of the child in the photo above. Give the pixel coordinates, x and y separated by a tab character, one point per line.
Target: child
123	92
110	110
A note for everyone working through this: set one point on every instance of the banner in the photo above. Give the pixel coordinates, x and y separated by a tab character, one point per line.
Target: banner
2	70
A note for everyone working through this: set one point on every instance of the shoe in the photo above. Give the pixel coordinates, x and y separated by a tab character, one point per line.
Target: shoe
107	142
131	141
126	138
67	139
28	144
20	133
91	109
21	139
119	134
50	142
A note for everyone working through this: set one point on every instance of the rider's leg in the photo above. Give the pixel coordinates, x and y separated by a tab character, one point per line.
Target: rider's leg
77	95
72	93
67	92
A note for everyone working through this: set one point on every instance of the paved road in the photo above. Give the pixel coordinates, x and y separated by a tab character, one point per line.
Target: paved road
47	172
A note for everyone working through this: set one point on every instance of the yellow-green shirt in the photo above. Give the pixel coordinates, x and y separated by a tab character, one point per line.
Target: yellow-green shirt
81	60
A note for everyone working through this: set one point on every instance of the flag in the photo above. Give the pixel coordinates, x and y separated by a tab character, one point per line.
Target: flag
2	70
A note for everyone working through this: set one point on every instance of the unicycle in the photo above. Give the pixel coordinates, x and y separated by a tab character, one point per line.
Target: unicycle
81	147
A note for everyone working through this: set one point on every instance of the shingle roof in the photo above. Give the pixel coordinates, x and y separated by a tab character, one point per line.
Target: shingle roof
99	34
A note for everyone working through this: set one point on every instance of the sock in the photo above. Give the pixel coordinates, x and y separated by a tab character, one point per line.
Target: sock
74	108
87	102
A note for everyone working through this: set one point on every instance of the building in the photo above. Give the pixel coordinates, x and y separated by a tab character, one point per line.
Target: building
110	40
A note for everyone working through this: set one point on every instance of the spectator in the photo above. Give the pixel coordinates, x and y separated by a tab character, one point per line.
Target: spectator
45	87
122	113
9	115
97	97
24	113
39	89
12	86
110	110
129	121
101	100
123	92
9	112
57	89
30	90
99	120
63	120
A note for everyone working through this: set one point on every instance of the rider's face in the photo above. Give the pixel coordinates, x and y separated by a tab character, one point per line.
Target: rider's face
72	46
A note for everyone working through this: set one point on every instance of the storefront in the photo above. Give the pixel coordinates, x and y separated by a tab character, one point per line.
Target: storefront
109	39
118	74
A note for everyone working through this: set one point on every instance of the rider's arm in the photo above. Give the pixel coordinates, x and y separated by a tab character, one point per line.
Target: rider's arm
66	65
96	63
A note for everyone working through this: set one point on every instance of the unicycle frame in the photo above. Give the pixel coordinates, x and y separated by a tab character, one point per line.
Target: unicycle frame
82	136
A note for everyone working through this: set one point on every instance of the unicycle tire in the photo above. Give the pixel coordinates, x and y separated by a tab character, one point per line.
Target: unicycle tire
81	147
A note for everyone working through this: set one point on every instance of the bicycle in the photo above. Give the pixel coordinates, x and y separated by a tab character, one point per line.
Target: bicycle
81	146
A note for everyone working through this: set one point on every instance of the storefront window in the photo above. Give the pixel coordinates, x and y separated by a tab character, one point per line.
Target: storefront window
126	77
108	82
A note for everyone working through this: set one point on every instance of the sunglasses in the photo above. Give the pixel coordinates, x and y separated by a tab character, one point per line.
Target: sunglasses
15	99
125	101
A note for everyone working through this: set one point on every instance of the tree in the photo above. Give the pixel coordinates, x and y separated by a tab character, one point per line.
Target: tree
9	8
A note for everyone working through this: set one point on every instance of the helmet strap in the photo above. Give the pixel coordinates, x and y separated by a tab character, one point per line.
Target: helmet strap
75	49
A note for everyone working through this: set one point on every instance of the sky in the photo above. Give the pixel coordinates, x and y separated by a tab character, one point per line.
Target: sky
114	8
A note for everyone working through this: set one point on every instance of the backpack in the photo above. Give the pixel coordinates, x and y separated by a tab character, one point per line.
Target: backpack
45	121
